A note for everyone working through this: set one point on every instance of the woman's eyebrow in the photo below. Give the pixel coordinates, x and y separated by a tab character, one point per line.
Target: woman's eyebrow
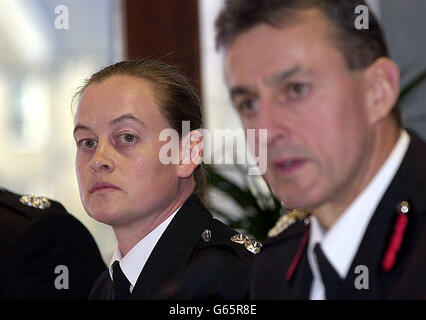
80	127
127	116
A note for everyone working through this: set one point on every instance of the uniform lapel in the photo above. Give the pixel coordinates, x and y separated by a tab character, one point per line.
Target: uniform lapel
281	270
302	281
172	252
102	289
299	274
379	231
365	275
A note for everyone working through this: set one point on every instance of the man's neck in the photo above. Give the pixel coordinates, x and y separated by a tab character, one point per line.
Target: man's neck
383	142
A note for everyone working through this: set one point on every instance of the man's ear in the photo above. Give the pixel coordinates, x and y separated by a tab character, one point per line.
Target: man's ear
382	86
191	153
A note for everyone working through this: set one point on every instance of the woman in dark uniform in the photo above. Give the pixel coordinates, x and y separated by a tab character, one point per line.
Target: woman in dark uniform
148	188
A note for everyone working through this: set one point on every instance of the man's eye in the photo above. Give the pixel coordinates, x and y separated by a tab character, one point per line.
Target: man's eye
247	106
298	90
87	143
127	138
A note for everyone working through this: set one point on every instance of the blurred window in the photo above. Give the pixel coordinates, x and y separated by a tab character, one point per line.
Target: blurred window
47	49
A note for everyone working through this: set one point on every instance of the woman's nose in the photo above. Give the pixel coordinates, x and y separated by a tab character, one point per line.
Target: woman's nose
101	161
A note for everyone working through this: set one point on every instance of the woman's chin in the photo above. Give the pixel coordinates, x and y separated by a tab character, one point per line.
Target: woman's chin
104	216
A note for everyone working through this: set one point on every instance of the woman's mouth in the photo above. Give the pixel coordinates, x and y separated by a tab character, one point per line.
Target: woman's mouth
103	186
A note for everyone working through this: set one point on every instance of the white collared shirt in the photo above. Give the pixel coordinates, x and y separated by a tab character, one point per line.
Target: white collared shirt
341	242
134	261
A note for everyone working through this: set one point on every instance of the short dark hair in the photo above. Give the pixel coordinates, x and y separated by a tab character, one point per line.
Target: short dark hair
359	47
176	97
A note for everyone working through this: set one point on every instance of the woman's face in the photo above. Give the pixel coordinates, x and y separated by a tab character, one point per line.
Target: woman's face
120	176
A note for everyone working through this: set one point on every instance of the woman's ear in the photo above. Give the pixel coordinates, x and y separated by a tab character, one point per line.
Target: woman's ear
382	86
191	153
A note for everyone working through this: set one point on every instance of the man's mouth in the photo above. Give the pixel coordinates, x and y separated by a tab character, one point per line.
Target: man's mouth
288	165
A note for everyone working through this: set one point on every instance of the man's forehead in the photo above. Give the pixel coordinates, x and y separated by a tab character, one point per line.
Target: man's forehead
291	19
257	50
308	25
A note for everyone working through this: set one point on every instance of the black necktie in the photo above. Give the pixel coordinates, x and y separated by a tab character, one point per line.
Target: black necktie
121	286
329	276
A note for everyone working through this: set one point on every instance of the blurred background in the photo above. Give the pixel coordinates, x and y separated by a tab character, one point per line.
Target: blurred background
48	47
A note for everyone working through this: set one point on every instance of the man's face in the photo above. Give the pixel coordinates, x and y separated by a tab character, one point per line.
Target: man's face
120	176
294	82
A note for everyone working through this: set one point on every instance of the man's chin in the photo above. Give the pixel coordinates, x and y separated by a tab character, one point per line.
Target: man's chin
295	200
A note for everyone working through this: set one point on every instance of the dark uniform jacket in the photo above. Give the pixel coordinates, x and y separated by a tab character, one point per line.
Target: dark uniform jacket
188	261
282	270
43	248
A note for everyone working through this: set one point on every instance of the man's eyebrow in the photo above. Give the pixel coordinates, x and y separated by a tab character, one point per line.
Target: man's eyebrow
283	75
236	91
271	80
127	116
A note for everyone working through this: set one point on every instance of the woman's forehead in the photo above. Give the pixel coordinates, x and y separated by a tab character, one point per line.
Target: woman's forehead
118	95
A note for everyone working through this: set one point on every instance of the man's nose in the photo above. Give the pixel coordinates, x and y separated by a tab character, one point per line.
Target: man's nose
272	117
101	160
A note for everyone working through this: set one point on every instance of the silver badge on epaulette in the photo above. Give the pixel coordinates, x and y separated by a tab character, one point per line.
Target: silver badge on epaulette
287	220
251	245
35	202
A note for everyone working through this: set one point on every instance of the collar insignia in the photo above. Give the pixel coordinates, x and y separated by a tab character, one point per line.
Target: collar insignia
206	235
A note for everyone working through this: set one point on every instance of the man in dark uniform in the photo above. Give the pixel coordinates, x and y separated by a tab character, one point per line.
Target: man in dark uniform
150	192
45	253
317	76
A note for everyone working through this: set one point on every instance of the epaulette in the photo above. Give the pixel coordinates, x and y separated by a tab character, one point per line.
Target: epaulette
28	204
250	244
30	200
228	238
287	220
